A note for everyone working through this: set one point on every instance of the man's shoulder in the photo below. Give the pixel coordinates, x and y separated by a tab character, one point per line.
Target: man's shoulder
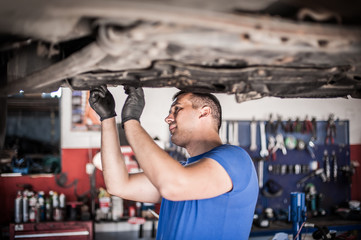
229	153
227	148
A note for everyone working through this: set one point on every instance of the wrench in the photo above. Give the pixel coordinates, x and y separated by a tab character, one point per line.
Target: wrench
264	151
260	173
230	133
253	146
235	134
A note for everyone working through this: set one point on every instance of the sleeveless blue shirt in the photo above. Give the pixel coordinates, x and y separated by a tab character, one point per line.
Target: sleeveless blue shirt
228	216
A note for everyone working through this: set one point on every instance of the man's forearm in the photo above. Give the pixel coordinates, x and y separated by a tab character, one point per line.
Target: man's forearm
114	168
159	167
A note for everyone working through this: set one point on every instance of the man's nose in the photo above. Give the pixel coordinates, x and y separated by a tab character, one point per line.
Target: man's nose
169	119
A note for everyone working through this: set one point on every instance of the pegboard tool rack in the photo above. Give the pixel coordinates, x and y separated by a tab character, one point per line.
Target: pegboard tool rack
332	192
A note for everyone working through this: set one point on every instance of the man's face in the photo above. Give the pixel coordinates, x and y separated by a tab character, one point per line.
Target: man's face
181	120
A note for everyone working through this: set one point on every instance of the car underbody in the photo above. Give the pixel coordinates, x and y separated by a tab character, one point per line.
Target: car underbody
314	53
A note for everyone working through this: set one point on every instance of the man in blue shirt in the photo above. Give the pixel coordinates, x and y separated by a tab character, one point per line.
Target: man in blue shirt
212	196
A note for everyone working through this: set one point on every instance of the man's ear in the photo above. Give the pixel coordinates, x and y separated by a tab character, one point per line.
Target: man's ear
205	111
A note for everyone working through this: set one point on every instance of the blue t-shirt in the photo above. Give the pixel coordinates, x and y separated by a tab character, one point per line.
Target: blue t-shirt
228	216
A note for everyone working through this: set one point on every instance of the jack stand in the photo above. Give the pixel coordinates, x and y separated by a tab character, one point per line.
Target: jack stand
297	213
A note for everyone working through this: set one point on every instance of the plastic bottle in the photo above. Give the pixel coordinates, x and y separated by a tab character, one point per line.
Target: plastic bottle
49	206
56	210
41	203
138	209
117	208
62	205
32	208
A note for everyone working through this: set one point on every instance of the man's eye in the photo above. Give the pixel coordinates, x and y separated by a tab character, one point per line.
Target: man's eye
176	110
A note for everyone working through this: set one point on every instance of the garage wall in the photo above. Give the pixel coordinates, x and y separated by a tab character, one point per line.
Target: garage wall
159	100
79	147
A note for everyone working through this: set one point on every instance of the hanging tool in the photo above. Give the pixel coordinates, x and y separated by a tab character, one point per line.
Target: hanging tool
330	130
334	165
311	199
297	168
260	173
253	128
230	133
279	124
319	172
235	140
271	145
270	126
264	151
311	148
307	126
314	128
326	165
280	144
288	128
297	125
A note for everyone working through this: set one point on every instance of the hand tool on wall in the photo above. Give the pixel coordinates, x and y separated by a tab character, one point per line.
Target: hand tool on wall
230	133
288	128
297	125
233	133
319	172
253	128
270	126
314	128
280	144
307	126
311	197
235	140
279	124
334	165
330	130
284	169
326	165
311	149
264	151
260	173
297	168
271	145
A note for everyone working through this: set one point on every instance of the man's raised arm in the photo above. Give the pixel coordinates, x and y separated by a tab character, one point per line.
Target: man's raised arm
118	182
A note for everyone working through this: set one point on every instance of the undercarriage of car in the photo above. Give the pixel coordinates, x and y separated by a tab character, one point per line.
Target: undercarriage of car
251	55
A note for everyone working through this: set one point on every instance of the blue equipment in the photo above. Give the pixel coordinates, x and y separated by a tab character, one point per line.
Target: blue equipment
297	213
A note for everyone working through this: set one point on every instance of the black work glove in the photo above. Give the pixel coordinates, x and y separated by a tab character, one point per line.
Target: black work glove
102	101
133	106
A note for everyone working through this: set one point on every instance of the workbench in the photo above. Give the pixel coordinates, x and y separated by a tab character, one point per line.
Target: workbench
331	222
77	230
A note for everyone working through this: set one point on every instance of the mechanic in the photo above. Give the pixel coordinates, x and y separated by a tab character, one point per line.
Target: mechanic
212	196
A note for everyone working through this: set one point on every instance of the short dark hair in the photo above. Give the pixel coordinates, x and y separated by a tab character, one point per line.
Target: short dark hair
202	99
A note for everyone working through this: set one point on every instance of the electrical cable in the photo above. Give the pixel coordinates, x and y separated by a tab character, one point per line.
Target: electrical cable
299	231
